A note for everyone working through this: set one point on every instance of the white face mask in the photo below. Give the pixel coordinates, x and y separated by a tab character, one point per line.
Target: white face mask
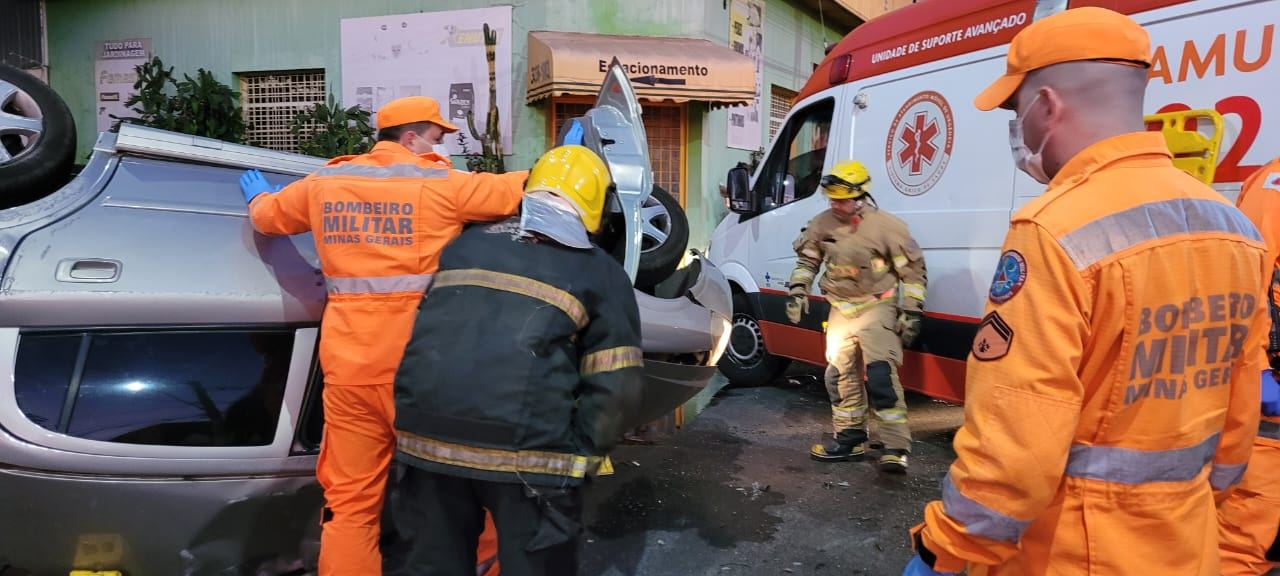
440	149
1030	162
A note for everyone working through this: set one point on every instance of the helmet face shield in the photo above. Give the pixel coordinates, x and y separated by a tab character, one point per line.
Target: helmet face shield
838	188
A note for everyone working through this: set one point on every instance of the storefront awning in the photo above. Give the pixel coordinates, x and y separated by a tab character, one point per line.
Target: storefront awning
678	69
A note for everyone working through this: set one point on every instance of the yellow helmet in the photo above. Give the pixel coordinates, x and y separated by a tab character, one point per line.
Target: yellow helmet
848	179
576	174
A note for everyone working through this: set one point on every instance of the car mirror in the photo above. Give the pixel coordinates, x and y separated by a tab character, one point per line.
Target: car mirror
738	188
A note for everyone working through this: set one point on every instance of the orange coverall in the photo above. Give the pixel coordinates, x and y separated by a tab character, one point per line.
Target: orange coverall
380	221
1250	517
1113	384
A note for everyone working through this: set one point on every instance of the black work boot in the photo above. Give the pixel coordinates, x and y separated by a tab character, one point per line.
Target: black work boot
894	461
836	452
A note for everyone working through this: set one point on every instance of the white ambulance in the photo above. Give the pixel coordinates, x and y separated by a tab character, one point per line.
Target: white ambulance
897	94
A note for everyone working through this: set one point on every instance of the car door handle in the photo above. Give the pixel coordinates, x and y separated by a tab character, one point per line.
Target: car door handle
88	270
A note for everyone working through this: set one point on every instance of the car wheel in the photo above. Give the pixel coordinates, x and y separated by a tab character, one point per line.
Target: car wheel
665	236
37	138
746	362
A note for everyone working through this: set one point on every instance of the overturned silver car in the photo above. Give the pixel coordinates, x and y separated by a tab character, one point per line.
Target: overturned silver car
160	405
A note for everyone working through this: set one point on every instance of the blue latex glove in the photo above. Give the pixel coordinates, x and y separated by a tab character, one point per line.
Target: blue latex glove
917	567
574	136
253	183
1270	394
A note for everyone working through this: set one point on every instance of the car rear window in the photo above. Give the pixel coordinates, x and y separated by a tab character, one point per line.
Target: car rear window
175	388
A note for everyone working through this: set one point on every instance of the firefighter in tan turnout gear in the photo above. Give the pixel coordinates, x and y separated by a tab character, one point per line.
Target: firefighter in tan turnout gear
875	284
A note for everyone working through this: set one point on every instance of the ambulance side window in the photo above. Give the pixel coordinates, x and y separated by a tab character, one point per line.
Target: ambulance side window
795	164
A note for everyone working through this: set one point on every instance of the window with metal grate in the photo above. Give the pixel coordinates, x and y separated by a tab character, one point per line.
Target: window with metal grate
779	105
664	128
21	34
270	101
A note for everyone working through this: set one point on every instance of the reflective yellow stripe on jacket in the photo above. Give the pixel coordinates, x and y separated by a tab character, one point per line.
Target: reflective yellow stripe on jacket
611	359
848	308
565	301
530	461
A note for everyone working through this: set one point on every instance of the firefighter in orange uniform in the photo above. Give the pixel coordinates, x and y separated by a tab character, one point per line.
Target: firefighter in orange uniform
1112	392
1250	517
380	221
868	253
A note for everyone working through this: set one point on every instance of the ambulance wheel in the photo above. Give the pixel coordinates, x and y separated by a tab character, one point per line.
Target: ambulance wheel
37	138
746	362
664	238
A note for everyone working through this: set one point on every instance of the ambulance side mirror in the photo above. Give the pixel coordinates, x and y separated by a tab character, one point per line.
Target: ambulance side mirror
738	187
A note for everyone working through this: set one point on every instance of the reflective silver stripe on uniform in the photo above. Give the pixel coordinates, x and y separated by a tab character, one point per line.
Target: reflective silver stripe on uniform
1223	476
532	461
378	284
1268	429
391	171
916	291
978	519
847	413
893	415
1129	466
1089	244
900	262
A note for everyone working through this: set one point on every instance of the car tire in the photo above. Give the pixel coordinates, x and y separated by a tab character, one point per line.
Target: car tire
37	138
746	362
665	238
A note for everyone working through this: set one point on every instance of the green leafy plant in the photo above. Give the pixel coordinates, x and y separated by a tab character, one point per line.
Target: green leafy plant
756	156
201	106
207	107
152	100
328	130
490	157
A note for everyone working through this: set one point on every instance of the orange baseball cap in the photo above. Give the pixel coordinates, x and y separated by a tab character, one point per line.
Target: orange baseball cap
412	109
1069	36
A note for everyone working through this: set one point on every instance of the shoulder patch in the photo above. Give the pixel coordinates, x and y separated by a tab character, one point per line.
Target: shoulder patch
1011	274
1272	181
993	339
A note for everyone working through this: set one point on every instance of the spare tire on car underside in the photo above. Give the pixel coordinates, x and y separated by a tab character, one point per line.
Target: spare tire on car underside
37	138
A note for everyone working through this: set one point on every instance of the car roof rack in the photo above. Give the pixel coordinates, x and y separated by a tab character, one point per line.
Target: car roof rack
158	143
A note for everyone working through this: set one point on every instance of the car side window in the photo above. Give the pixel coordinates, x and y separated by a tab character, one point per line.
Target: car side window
311	426
795	165
174	388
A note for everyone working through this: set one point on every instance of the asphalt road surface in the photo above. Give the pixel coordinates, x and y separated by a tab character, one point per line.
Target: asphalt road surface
734	492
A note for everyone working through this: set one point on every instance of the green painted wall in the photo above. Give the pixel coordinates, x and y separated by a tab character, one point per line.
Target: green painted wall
793	43
233	36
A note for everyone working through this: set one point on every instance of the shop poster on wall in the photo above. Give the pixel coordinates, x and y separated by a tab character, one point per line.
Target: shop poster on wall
746	37
114	72
436	54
